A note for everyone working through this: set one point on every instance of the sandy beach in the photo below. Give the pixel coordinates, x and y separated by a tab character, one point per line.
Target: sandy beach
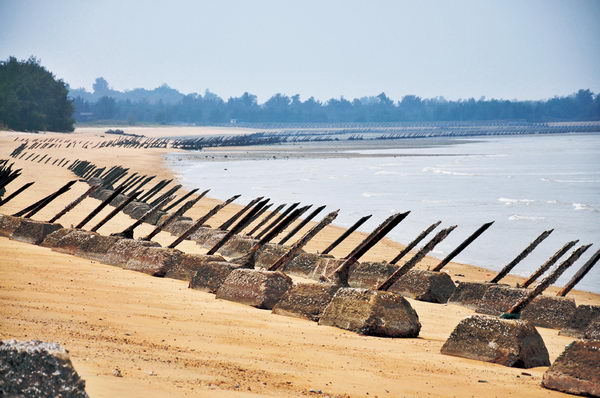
169	340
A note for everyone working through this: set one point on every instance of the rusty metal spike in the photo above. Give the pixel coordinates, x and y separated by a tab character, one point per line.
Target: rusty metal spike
587	267
440	236
40	204
293	252
74	203
340	275
277	220
14	194
265	220
346	233
550	279
180	212
128	232
201	221
508	267
549	263
238	214
99	208
301	224
415	242
184	197
116	210
243	223
462	246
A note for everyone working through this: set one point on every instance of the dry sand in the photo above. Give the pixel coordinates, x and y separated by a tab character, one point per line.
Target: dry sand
168	340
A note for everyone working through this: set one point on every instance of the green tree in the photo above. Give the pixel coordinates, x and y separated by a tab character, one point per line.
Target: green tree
32	99
105	108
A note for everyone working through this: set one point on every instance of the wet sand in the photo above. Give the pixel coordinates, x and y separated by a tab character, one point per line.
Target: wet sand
168	340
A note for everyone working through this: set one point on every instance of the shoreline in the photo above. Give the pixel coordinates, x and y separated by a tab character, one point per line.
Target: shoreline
170	340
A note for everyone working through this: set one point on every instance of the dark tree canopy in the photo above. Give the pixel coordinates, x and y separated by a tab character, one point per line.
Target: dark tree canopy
166	105
32	99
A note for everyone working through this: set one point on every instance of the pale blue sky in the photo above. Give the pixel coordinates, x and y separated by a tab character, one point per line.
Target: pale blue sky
456	49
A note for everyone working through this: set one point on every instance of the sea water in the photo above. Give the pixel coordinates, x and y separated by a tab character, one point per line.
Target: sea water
526	184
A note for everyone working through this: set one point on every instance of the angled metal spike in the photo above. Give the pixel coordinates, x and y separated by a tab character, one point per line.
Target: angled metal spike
295	249
74	203
116	210
266	219
415	242
508	267
549	263
301	224
587	267
201	221
440	236
346	234
462	246
340	275
547	281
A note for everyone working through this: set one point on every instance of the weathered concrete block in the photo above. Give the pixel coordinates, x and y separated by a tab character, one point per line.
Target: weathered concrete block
66	240
139	210
102	194
94	181
576	370
306	300
82	243
132	206
369	275
210	275
207	237
499	299
153	219
118	200
469	294
580	320
592	330
178	227
33	231
371	312
269	254
512	343
52	239
325	266
8	224
433	287
260	289
164	216
96	247
123	250
188	265
303	264
155	261
38	369
550	311
237	246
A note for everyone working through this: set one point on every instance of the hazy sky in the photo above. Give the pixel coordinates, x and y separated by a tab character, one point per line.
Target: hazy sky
456	49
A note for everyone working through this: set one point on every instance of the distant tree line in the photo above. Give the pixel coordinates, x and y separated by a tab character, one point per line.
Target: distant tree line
165	105
32	99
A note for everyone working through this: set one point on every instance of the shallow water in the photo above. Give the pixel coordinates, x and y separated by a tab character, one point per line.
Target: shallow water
527	184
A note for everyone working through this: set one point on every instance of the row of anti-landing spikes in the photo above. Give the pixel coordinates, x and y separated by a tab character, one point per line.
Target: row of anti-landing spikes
85	167
129	142
372	239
